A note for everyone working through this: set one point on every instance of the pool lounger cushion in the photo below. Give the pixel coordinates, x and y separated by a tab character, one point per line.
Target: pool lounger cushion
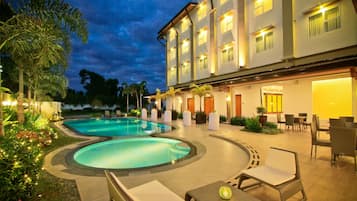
151	191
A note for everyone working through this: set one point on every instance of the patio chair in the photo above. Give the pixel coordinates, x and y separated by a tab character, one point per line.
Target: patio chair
315	141
343	142
279	120
281	172
347	118
305	124
336	123
289	121
151	191
318	128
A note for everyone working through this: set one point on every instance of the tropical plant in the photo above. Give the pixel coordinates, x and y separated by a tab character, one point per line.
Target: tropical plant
253	125
142	89
239	121
126	91
172	93
201	91
222	118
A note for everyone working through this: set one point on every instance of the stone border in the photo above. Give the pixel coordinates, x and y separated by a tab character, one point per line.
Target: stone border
254	157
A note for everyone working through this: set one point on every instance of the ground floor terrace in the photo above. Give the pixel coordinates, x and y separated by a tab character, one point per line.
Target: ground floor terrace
328	94
219	159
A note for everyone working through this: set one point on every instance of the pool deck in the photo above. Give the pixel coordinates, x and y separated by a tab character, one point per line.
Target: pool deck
219	159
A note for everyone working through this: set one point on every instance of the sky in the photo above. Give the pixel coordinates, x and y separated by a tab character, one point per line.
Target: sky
122	41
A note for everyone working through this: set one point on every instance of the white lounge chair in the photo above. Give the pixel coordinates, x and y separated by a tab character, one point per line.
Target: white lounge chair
281	172
151	191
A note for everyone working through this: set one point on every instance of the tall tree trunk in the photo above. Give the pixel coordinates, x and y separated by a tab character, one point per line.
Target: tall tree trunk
141	101
127	103
20	98
29	98
2	133
137	100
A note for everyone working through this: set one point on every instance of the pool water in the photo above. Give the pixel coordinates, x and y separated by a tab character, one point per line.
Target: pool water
116	127
132	153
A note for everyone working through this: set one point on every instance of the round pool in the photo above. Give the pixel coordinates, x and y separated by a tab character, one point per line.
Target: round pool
116	127
132	153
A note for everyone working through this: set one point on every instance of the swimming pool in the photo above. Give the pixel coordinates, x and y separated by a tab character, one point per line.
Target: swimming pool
131	153
116	127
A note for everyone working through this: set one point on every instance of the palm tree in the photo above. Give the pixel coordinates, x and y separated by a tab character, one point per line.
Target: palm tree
142	89
201	91
126	91
172	93
41	23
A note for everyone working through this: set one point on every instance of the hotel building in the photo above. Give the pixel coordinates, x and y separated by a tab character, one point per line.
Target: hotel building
290	56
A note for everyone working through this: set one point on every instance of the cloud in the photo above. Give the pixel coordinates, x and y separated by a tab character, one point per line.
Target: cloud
122	41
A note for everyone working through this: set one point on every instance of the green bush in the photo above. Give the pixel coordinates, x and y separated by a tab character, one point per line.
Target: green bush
239	121
253	125
222	118
20	166
180	115
134	113
271	125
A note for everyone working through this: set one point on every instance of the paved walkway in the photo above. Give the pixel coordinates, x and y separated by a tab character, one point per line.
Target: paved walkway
222	160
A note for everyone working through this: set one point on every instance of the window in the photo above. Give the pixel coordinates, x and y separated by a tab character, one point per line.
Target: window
222	1
273	102
172	34
227	23
185	46
324	21
202	11
202	37
202	62
264	41
184	24
227	54
172	53
185	67
262	6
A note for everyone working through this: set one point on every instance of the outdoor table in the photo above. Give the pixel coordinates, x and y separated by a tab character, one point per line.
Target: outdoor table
209	192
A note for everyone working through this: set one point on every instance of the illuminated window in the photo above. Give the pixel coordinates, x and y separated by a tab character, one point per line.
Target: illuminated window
264	41
262	6
273	102
202	37
227	54
172	34
222	1
185	46
226	23
202	11
184	25
202	62
172	53
324	21
185	67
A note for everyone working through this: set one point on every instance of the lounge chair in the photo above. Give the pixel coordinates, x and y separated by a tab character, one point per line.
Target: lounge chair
315	141
279	120
151	191
343	142
289	121
281	172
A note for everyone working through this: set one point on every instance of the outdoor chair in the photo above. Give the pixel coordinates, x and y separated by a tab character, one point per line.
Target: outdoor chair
347	118
305	119
151	191
281	172
318	128
343	142
289	121
279	120
315	141
336	123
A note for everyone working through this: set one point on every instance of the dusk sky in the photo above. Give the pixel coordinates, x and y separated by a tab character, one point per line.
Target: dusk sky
122	40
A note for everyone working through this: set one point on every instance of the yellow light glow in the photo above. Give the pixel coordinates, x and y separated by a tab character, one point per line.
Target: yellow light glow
228	98
228	18
202	56
322	9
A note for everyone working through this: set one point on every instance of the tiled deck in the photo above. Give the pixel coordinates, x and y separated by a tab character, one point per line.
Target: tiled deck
222	160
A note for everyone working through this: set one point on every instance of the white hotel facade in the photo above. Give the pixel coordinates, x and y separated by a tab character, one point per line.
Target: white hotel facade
290	56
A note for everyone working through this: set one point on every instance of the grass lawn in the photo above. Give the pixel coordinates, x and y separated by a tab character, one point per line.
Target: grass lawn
51	188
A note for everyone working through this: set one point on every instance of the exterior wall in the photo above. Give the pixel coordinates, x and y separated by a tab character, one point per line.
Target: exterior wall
255	24
345	36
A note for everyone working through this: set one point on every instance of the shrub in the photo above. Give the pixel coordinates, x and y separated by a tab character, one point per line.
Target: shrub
134	113
253	125
174	114
239	121
271	125
222	118
20	166
180	115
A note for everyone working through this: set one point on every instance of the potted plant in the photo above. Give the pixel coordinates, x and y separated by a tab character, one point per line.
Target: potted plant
200	91
262	118
172	93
